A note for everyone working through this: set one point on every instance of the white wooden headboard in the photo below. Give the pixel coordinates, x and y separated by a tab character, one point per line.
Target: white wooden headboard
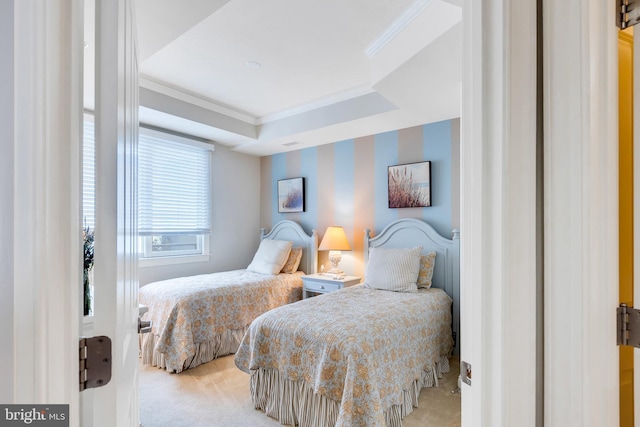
409	233
292	231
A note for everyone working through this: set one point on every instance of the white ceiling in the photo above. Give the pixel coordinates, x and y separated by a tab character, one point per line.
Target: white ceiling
328	70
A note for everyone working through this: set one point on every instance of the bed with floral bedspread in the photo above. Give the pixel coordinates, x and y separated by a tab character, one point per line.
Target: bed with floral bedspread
354	357
199	318
360	356
196	319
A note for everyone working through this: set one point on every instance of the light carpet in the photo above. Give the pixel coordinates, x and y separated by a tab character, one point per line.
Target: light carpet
216	394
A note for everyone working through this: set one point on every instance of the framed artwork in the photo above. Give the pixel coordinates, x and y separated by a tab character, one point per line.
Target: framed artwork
291	195
410	185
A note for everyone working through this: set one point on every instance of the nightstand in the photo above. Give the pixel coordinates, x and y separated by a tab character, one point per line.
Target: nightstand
324	283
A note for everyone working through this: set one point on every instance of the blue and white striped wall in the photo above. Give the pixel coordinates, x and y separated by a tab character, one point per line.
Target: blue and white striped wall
346	183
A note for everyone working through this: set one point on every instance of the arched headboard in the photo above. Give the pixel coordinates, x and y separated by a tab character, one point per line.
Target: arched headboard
292	231
409	233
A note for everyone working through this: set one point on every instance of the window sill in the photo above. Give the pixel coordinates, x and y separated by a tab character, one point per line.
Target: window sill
87	324
158	261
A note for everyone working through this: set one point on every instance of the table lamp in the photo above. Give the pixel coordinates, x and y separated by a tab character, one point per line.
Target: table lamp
334	241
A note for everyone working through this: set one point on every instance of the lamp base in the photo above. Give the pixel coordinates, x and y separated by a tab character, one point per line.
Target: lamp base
334	258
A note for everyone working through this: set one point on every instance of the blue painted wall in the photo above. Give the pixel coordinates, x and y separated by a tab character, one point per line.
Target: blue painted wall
346	183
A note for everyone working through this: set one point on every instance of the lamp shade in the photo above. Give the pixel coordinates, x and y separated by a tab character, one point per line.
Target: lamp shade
334	239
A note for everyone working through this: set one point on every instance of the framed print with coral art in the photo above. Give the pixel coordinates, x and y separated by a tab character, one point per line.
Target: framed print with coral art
410	185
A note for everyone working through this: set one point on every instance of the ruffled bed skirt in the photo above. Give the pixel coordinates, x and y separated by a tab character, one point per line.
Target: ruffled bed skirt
295	403
221	345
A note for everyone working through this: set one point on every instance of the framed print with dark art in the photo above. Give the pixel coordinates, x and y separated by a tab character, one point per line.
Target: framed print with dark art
410	185
291	195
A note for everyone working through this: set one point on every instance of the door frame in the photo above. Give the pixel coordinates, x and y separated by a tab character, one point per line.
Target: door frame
46	273
575	332
7	179
44	334
499	216
116	258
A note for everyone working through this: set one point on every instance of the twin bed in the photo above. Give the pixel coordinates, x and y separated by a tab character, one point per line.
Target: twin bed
199	318
354	357
360	356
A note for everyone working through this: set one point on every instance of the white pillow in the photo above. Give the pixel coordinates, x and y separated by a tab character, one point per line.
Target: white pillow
270	256
393	269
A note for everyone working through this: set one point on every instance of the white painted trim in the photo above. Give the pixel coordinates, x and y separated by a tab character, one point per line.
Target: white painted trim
519	223
171	260
400	23
471	129
46	204
153	85
327	101
206	104
581	365
172	136
7	212
498	218
116	264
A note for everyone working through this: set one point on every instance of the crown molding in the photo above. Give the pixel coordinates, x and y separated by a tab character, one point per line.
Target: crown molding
172	92
354	92
411	13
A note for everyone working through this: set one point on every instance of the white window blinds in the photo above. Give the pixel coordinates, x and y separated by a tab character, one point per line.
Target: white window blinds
88	173
173	184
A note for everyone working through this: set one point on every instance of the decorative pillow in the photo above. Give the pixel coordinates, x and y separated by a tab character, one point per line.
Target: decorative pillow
393	269
270	256
291	266
427	263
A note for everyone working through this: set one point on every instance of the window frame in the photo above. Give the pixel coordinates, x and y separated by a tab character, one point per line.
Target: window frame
146	257
158	260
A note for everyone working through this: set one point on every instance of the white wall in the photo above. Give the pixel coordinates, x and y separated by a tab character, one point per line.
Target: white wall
6	194
235	218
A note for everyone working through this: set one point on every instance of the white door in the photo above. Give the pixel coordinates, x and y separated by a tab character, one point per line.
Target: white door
41	223
115	312
581	275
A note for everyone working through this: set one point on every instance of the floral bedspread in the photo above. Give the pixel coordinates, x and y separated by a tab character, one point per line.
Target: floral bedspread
189	311
358	346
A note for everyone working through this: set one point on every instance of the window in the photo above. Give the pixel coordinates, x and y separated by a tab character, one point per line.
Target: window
88	173
88	209
173	195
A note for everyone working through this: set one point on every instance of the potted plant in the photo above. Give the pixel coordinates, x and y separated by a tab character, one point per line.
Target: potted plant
88	269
